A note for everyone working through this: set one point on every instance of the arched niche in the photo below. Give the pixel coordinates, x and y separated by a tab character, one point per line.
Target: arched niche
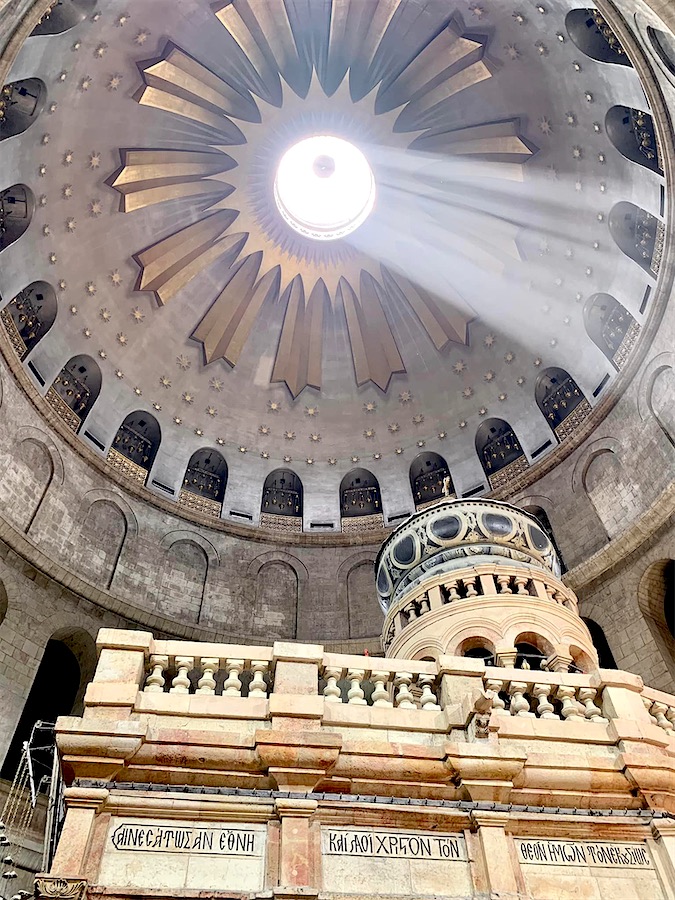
360	501
611	327
664	46
183	581
135	445
16	211
204	483
499	451
21	102
605	656
638	234
429	474
63	15
281	505
276	601
632	133
26	481
561	401
28	317
75	389
364	613
101	541
591	33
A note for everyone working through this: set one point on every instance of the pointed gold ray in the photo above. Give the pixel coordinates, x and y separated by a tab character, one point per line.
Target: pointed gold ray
185	78
444	318
153	176
499	142
298	357
226	326
420	113
374	352
170	264
436	65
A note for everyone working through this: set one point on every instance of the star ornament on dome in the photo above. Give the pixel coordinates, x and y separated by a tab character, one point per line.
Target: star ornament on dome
304	83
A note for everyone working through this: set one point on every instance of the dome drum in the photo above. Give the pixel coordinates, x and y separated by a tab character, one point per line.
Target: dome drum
449	533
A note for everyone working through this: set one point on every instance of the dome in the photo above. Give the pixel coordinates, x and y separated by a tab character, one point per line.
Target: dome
273	282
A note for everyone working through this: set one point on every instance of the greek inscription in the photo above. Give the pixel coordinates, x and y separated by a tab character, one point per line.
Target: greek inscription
583	853
393	845
216	840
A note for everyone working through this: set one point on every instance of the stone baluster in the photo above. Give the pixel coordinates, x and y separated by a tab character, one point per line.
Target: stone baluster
470	585
659	711
428	698
411	610
520	705
355	693
207	683
332	692
647	703
155	680
550	592
498	705
258	686
591	710
181	683
567	696
558	596
670	715
404	698
521	583
504	582
232	684
452	591
380	692
545	709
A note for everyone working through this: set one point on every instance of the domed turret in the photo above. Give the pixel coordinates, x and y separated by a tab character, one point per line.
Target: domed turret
479	578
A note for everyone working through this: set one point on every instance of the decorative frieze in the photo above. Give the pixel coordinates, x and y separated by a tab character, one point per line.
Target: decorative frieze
199	504
62	410
15	338
570	424
281	523
626	345
126	467
61	888
359	524
504	476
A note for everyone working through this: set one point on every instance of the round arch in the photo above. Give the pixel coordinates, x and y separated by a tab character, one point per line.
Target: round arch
17	204
429	479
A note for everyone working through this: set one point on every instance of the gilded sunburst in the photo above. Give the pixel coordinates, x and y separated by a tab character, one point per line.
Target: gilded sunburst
341	74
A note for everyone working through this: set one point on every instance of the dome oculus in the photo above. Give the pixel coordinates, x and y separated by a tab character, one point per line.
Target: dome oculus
324	187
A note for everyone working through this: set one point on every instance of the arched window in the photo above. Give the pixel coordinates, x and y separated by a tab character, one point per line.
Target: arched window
611	327
500	452
281	507
593	36
16	210
530	655
135	445
360	502
632	133
204	483
638	234
478	648
63	15
429	474
74	390
605	656
561	400
29	316
21	102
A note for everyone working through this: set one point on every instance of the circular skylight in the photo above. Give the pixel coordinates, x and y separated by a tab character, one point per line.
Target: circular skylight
324	187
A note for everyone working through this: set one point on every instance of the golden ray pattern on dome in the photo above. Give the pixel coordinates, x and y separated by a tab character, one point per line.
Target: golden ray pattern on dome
338	68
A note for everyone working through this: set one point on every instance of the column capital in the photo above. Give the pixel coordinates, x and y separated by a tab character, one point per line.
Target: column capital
489	818
86	798
298	807
57	886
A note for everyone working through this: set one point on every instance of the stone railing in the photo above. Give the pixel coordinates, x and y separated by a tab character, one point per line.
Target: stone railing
230	681
545	695
227	670
661	708
485	581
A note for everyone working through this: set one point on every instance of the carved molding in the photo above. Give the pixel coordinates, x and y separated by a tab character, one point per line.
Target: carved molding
61	887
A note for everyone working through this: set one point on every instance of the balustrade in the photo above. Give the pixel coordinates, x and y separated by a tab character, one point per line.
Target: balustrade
213	675
537	694
482	581
417	688
661	708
